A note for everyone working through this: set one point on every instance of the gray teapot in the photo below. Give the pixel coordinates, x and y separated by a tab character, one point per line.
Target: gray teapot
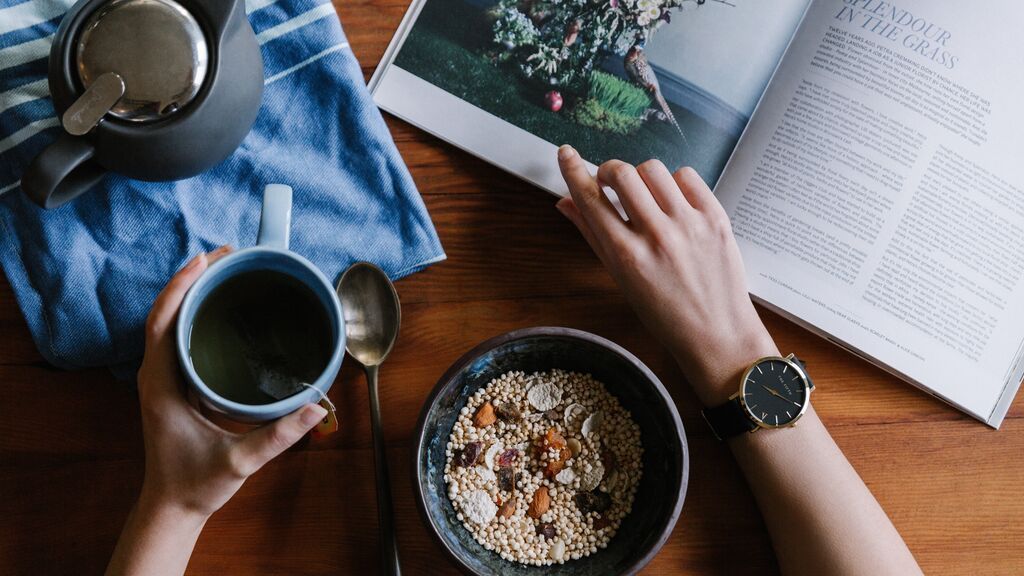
152	89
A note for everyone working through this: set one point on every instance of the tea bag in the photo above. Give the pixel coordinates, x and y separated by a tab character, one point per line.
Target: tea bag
276	385
279	386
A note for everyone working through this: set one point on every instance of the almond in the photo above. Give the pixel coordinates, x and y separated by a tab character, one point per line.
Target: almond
508	508
484	416
540	504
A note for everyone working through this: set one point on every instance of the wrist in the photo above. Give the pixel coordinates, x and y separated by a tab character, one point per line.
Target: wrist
715	373
163	510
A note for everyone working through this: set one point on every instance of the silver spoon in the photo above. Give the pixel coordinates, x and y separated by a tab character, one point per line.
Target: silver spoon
372	318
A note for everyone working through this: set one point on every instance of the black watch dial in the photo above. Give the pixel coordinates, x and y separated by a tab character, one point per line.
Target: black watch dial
774	392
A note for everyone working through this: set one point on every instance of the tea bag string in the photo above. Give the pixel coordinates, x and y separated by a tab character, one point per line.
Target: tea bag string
322	395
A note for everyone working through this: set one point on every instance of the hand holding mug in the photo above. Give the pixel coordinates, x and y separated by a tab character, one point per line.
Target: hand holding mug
192	465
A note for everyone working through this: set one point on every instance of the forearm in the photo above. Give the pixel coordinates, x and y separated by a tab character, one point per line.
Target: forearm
156	540
821	517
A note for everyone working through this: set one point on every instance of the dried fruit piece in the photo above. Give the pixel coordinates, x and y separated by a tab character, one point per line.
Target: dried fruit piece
540	503
506	479
507	509
553	415
485	416
600	522
609	460
553	467
508	457
469	455
594	501
554	440
544	396
546	529
508	412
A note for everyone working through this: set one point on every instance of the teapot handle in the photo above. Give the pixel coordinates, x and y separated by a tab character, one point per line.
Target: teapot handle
61	172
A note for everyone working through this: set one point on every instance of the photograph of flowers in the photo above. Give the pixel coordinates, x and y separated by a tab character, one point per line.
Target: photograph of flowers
630	79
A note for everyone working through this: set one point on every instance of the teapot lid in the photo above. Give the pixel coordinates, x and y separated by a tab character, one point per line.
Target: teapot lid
156	46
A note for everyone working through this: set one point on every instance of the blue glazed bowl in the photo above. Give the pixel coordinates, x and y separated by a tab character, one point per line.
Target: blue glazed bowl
666	461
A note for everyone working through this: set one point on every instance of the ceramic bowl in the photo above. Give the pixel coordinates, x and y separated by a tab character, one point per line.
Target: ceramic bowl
666	462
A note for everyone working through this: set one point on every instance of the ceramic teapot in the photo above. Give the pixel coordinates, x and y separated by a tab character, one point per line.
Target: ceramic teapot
152	89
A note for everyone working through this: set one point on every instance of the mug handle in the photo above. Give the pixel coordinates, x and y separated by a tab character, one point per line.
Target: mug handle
275	217
61	172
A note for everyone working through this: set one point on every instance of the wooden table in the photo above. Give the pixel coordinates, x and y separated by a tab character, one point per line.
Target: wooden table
71	449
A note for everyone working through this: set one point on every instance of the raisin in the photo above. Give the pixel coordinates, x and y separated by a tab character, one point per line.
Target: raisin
546	529
507	457
470	455
508	413
506	479
553	415
594	501
600	522
608	460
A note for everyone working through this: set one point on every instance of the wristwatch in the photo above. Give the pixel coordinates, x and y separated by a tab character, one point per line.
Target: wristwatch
774	393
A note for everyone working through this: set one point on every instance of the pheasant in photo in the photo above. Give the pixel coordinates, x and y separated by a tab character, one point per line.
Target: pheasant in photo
641	73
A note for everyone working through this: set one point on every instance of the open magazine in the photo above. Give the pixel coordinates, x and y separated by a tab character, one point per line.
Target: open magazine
867	152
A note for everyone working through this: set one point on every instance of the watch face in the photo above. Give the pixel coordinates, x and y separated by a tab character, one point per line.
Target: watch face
774	392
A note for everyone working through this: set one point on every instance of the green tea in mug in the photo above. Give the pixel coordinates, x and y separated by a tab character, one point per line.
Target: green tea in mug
260	333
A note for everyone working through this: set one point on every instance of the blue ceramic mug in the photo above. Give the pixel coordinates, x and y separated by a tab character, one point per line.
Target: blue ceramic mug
270	254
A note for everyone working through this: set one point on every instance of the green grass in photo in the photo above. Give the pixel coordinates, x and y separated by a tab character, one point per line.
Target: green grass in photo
612	105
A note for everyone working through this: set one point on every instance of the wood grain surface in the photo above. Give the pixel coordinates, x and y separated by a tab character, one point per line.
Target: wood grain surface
71	452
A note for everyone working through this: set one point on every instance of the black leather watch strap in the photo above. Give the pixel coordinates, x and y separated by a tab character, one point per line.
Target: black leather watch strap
728	420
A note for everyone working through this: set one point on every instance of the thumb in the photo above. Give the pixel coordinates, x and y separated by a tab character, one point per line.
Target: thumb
263	444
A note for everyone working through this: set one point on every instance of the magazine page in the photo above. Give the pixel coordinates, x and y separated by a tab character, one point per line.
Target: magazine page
878	193
510	80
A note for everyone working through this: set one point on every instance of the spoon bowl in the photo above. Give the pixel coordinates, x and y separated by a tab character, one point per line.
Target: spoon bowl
372	313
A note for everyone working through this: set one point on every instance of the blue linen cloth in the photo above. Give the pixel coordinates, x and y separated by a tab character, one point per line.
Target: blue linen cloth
86	274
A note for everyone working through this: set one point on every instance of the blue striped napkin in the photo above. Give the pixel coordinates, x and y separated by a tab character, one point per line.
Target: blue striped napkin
86	274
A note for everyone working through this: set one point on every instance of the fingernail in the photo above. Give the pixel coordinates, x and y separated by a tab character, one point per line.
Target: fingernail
565	152
312	414
193	263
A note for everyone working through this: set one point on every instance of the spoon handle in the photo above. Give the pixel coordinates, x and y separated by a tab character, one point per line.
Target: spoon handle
385	510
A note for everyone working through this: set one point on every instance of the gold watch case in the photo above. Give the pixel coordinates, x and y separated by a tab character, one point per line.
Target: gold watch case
741	393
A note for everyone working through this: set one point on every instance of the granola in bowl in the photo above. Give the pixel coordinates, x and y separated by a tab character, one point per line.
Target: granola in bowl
543	467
